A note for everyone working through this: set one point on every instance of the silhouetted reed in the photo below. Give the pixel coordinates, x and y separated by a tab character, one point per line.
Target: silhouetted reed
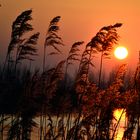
78	109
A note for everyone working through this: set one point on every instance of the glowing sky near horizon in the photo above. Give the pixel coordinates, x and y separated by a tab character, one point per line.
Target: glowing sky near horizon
80	20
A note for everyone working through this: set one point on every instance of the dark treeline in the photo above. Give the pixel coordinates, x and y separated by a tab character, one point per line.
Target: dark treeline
83	108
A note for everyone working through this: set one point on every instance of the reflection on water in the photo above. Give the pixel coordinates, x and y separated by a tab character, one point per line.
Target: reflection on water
118	126
119	123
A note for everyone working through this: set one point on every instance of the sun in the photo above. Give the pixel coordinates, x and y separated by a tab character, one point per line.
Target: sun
121	52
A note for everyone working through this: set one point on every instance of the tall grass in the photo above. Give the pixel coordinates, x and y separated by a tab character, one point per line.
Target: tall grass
78	110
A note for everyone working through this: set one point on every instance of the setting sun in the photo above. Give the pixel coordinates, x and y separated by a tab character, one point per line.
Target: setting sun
121	52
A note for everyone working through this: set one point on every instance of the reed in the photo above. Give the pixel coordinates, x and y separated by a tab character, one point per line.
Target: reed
77	110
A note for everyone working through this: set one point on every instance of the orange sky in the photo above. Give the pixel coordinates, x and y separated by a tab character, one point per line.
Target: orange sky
80	20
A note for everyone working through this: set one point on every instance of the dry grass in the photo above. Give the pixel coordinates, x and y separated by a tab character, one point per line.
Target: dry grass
82	111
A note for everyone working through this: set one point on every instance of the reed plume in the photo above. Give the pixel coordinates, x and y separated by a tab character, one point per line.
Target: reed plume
19	27
52	39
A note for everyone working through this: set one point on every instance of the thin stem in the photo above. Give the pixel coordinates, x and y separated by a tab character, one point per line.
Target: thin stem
117	125
44	58
100	72
16	61
4	66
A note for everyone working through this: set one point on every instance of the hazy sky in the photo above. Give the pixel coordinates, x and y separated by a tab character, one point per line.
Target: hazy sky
80	20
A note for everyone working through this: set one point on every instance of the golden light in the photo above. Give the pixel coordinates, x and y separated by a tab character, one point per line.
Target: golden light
119	114
121	52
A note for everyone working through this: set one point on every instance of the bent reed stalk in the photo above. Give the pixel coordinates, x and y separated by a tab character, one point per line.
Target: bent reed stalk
68	112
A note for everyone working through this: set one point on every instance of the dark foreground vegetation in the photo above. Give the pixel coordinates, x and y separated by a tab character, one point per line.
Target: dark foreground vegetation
68	108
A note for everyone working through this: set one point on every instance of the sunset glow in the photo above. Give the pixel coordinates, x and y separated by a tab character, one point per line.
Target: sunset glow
121	52
69	69
119	113
120	116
